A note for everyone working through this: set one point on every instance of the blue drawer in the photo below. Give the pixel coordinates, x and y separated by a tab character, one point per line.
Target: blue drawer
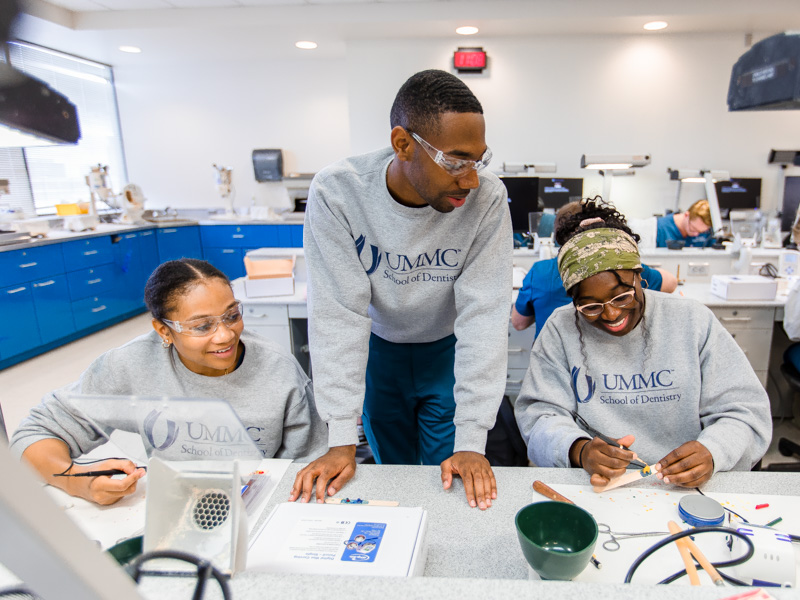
19	332
297	235
228	260
20	266
94	310
53	308
239	236
149	251
179	242
87	253
90	282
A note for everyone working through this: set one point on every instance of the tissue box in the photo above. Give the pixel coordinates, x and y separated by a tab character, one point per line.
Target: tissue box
269	276
744	287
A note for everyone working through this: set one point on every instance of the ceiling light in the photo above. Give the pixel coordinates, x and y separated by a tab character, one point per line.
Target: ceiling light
467	30
130	49
655	25
305	45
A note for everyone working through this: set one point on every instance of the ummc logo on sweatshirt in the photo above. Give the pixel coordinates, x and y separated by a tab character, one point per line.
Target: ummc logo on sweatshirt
616	388
403	269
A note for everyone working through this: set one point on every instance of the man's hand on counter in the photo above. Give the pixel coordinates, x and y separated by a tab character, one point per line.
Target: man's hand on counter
337	466
476	473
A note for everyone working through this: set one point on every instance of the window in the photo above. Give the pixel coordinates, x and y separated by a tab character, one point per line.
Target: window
53	174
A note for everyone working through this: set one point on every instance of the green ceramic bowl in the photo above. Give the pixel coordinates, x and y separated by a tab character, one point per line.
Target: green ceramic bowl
127	550
557	538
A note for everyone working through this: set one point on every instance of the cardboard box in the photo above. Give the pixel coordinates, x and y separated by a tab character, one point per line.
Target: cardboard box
269	276
744	287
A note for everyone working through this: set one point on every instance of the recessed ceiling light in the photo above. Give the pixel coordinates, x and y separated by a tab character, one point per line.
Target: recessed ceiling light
467	30
306	45
130	49
655	25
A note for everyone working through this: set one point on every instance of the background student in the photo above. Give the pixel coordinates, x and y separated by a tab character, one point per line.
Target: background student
692	226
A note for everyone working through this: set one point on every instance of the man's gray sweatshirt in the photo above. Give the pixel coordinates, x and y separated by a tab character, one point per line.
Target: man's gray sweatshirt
679	376
269	391
408	275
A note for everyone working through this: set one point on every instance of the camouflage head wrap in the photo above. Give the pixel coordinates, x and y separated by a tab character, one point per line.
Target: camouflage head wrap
594	251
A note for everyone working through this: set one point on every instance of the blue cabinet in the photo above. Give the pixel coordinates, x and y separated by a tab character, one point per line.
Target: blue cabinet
225	246
179	242
20	331
21	266
82	254
148	251
228	260
53	308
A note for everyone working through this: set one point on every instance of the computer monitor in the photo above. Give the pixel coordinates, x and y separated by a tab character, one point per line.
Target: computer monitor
738	194
523	198
555	192
791	201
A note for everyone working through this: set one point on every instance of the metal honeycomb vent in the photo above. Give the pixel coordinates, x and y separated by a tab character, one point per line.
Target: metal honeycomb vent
211	510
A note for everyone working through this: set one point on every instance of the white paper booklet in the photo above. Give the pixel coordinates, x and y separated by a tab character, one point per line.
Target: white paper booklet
341	540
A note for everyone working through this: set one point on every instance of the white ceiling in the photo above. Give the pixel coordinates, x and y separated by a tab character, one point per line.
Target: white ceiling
170	28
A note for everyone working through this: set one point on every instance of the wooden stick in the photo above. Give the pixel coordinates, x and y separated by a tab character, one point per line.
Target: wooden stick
683	548
704	562
547	491
626	479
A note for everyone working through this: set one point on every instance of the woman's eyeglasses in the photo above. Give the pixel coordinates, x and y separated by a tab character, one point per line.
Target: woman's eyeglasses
207	325
596	308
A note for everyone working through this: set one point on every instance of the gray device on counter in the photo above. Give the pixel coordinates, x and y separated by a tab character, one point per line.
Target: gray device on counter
268	164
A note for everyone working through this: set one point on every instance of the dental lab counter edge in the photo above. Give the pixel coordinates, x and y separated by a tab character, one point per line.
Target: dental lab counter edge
471	553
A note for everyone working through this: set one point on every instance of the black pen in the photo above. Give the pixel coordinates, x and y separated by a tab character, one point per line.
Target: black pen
107	473
591	430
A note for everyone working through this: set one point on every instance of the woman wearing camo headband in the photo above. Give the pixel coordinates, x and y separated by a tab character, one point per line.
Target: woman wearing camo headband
640	366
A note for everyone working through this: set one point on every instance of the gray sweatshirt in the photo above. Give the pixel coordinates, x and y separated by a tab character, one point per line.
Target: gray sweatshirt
408	275
269	392
679	376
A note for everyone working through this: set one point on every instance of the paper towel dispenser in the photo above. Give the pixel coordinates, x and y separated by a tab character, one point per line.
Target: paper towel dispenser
767	76
268	165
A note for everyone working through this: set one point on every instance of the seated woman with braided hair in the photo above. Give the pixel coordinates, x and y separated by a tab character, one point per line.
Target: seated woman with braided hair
657	372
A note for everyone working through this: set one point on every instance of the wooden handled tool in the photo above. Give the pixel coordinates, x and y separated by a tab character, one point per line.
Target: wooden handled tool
683	548
701	558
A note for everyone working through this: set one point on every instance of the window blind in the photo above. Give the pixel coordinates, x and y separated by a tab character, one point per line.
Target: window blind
58	173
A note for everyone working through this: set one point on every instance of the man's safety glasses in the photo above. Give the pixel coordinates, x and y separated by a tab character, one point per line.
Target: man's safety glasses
596	308
207	325
455	167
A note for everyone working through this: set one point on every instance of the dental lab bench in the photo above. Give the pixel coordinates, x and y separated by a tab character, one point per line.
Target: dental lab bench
471	554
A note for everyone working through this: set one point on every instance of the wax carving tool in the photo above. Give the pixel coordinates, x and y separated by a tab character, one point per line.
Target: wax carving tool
683	548
106	472
692	548
360	502
548	492
592	431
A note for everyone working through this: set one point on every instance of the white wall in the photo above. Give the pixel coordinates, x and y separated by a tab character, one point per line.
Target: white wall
552	99
547	98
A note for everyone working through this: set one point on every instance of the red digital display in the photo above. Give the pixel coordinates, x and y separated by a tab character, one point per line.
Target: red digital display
469	59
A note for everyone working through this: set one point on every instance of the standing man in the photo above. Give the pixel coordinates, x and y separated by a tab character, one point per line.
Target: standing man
409	254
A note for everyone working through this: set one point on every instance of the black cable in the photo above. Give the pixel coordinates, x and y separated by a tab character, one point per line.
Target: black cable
690	532
17	591
204	570
724	508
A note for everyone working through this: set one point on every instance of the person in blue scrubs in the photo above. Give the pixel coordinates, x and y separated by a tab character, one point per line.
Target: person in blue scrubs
542	289
692	226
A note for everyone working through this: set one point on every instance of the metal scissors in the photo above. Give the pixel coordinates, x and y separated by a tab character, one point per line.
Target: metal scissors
593	432
612	545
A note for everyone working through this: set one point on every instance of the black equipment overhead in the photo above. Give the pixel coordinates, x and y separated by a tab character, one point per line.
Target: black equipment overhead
767	76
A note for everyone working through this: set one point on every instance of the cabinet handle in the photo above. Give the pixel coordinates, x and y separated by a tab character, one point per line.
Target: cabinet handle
26	265
228	251
238	235
90	252
99	308
44	283
736	319
93	281
22	289
130	236
146	233
510	350
514	381
168	230
261	316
